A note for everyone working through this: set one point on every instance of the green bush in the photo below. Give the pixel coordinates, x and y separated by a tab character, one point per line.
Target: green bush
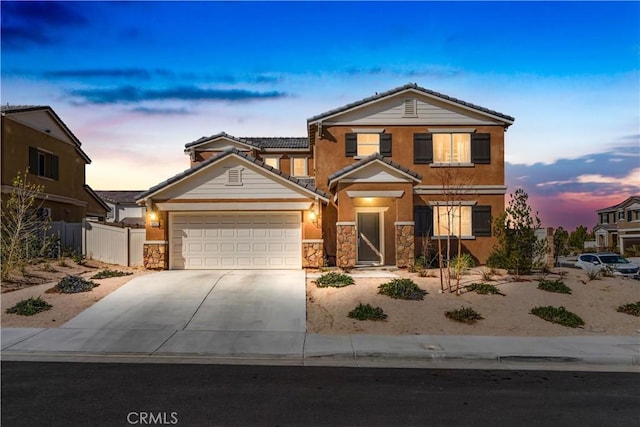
484	289
334	280
74	284
462	262
402	289
105	274
367	312
29	307
632	309
557	286
558	315
464	315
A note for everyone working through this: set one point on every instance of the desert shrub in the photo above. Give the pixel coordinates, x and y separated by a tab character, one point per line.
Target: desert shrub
423	272
632	251
367	312
462	262
74	284
402	289
104	274
557	286
48	268
594	274
29	307
464	315
487	275
334	280
558	315
484	289
632	309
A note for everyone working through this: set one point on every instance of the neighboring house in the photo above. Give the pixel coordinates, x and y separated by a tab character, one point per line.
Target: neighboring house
619	225
34	137
124	209
365	187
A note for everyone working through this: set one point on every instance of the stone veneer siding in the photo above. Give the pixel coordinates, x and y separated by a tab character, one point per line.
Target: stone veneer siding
155	256
312	254
346	248
405	245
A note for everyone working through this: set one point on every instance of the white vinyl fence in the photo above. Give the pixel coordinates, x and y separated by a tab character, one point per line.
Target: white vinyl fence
113	245
69	234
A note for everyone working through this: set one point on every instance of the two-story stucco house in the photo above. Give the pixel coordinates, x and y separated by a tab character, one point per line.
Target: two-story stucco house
618	226
364	187
34	137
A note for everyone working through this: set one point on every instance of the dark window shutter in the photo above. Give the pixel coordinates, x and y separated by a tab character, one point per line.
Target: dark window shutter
422	148
385	144
33	160
481	221
351	145
55	167
423	218
481	148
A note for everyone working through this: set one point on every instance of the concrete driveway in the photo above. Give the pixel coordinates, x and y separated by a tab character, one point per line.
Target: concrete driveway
212	300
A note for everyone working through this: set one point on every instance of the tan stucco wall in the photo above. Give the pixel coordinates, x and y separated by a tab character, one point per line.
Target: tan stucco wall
16	140
330	151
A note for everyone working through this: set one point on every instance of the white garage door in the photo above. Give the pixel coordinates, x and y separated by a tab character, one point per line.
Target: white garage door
251	240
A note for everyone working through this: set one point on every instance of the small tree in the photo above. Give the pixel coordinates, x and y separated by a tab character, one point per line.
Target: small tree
560	247
578	237
22	227
518	248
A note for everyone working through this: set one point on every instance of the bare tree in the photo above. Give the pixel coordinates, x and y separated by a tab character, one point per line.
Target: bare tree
455	190
23	227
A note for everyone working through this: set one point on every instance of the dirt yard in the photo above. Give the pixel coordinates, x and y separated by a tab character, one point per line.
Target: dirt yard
39	278
594	301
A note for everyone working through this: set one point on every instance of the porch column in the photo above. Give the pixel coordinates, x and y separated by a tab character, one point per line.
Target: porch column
346	244
154	255
405	246
312	253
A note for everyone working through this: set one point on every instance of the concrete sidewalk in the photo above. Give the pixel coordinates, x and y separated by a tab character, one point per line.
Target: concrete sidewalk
592	353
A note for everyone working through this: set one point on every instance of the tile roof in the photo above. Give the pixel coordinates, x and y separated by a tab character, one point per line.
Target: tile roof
279	142
623	204
408	86
18	108
119	196
300	182
369	159
257	142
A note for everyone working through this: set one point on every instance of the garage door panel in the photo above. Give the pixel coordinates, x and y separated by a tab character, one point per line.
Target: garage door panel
235	240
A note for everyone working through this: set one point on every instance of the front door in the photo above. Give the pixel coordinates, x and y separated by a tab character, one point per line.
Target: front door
369	238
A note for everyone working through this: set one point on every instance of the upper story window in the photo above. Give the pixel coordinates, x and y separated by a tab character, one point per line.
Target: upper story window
368	143
273	161
452	148
365	142
299	166
43	163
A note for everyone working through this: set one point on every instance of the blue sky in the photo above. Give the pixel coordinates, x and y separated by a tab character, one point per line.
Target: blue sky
135	81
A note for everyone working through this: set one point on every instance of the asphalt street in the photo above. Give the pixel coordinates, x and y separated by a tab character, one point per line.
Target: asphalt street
103	394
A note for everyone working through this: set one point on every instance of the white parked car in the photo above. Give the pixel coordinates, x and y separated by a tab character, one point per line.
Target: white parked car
615	263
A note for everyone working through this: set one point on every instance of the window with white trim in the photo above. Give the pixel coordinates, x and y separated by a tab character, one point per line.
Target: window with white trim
452	220
299	166
452	148
368	143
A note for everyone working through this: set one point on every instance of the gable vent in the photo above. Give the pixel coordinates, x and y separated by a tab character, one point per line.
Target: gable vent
234	176
410	107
